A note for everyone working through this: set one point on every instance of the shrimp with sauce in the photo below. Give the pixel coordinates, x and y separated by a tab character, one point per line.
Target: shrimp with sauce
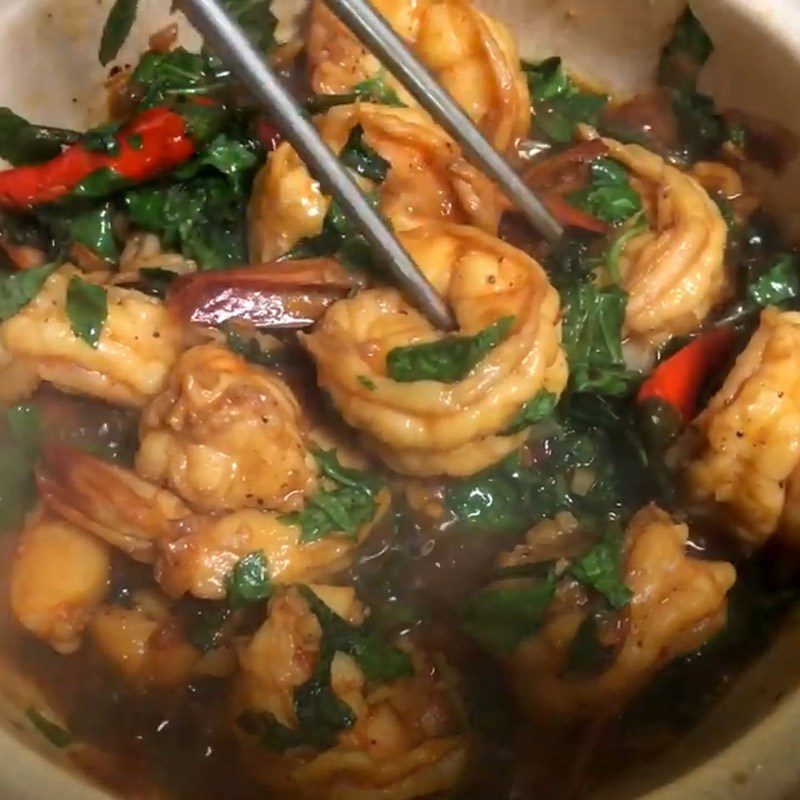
192	553
402	738
678	604
427	177
429	426
225	435
471	54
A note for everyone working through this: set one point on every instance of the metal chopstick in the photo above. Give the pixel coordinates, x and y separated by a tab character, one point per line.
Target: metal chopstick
232	45
370	27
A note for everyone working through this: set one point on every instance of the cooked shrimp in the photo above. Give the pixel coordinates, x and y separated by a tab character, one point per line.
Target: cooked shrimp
147	645
674	273
405	740
748	458
192	552
428	427
678	604
20	379
139	344
471	54
111	502
428	178
59	575
226	434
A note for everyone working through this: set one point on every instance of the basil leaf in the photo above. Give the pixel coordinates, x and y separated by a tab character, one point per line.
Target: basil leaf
601	568
162	77
448	359
204	632
87	309
371	90
535	410
500	617
55	734
274	735
93	229
226	155
103	139
779	284
257	20
23	143
574	257
362	159
615	251
342	510
610	196
249	581
101	183
558	105
19	452
117	28
19	288
592	339
685	53
586	655
379	662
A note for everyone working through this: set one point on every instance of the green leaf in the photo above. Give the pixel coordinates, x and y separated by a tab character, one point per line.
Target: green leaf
321	714
362	159
610	196
117	28
203	217
55	734
342	510
448	359
371	90
93	229
586	655
500	617
574	257
638	227
535	410
558	105
87	309
250	350
23	143
103	139
249	581
701	128
367	382
592	339
226	155
162	77
274	735
257	20
204	632
601	568
155	281
19	452
100	183
379	662
685	53
19	288
779	284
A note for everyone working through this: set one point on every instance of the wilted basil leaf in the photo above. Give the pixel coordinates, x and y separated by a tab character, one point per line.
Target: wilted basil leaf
249	581
447	359
55	734
93	230
535	410
118	25
500	617
362	159
601	568
87	309
19	288
23	143
610	196
780	283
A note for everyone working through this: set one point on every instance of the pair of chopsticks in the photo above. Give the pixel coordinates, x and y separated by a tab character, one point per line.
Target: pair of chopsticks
232	45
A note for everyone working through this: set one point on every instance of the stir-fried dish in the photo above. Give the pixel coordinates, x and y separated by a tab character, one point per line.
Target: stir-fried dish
271	534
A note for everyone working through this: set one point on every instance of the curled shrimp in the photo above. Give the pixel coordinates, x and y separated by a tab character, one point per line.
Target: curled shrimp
427	178
471	54
226	434
192	553
674	273
406	739
139	343
428	427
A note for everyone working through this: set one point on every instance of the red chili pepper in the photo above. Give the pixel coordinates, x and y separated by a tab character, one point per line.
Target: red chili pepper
268	134
153	142
678	380
572	217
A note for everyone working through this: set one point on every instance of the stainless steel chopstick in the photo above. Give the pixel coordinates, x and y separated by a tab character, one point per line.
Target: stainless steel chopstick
371	28
232	45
